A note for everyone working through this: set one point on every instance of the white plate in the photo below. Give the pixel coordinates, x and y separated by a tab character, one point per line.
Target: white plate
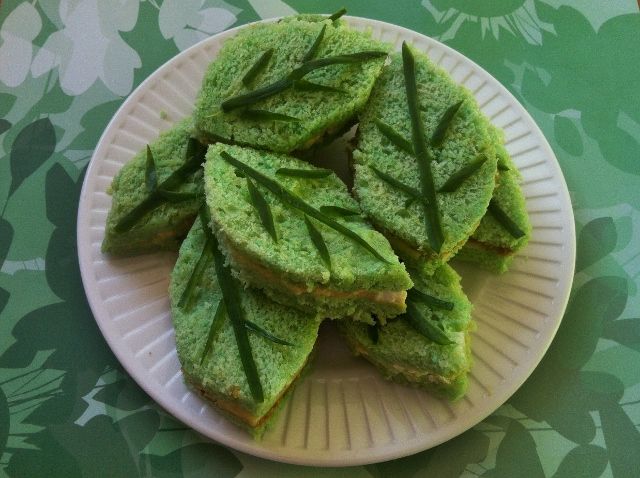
343	413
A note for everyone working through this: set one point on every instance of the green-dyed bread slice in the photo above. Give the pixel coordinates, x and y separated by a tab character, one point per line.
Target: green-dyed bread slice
491	245
164	227
467	139
317	112
404	355
291	270
220	377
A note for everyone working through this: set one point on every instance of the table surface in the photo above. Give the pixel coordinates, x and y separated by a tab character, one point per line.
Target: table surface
67	408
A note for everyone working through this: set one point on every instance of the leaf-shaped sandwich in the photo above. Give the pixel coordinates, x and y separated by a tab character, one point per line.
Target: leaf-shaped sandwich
155	196
425	162
429	346
237	348
294	231
505	229
284	86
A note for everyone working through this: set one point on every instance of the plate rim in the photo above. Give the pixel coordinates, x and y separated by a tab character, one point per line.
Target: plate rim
250	446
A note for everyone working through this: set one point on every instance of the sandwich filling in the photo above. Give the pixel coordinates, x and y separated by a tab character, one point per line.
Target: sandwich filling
261	274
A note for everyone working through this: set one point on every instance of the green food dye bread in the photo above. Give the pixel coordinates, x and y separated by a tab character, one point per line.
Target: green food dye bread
291	270
467	139
219	377
404	355
164	227
314	113
492	246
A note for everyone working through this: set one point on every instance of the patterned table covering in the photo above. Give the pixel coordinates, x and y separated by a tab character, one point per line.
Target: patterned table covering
67	408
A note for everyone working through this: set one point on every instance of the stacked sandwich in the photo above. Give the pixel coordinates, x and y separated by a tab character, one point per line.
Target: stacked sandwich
275	245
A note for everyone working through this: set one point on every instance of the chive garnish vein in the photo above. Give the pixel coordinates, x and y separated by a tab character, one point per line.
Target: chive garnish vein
374	333
443	125
393	136
412	192
194	159
150	173
426	326
457	178
216	324
294	201
188	294
315	46
430	206
304	173
257	67
417	296
232	302
505	221
262	332
337	14
263	209
318	242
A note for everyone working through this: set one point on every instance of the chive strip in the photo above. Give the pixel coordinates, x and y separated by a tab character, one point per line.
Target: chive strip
264	210
502	165
255	328
195	158
294	201
268	91
232	302
391	181
425	326
430	206
313	50
443	125
374	333
150	173
318	242
255	95
505	221
257	67
304	85
349	58
395	137
338	14
188	294
339	211
216	325
264	115
457	178
304	173
417	296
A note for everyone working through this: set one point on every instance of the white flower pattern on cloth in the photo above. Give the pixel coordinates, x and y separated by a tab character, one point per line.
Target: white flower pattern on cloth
18	32
186	22
89	46
518	17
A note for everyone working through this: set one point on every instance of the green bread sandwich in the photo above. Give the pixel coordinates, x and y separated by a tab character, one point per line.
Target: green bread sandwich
155	195
293	230
238	349
428	347
284	86
505	229
425	160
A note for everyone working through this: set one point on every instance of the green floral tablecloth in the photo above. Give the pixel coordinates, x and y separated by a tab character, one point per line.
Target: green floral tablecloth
66	406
